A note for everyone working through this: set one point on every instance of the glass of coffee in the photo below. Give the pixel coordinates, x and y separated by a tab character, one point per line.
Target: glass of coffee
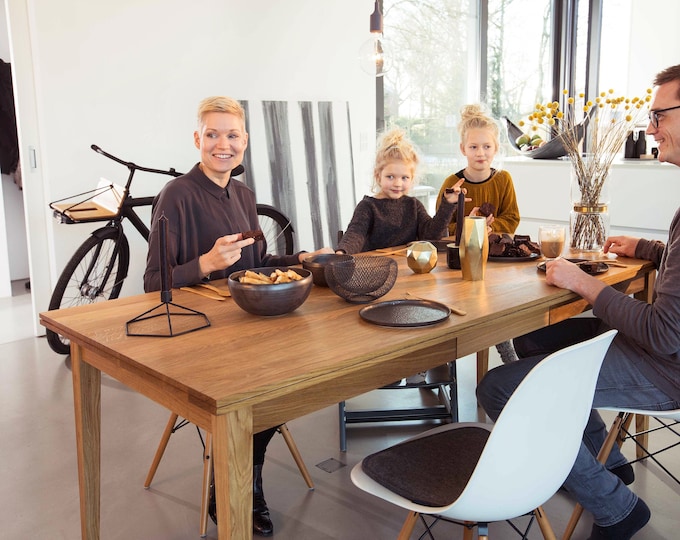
551	239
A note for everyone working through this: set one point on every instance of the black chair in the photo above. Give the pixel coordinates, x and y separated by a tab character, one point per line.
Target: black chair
441	380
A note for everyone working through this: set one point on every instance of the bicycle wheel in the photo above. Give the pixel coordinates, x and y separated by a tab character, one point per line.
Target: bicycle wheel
95	273
278	230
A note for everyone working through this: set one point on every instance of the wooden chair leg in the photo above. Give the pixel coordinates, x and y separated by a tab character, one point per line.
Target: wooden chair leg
161	449
407	527
544	524
468	531
612	437
283	429
482	364
207	477
641	426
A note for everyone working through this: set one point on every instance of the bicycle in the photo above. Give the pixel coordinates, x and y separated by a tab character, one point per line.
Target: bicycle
98	267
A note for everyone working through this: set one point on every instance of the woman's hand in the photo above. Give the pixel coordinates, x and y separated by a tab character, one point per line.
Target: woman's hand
304	254
224	253
621	245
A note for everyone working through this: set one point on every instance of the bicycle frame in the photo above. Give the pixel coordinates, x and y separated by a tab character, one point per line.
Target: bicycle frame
99	266
129	203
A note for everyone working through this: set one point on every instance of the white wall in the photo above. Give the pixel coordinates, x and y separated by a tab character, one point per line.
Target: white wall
543	195
655	40
128	75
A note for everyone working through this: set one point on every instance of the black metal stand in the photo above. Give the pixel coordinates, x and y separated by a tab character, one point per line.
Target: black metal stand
167	329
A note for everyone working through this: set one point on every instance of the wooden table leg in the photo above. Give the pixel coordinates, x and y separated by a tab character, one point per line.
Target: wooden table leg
87	405
233	464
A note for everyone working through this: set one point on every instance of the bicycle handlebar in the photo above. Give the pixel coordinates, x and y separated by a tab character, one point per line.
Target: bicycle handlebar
239	169
134	166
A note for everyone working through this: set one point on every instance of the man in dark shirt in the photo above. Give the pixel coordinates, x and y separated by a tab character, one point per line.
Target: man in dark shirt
642	367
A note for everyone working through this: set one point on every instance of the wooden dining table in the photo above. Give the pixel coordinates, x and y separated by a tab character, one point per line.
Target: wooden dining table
244	373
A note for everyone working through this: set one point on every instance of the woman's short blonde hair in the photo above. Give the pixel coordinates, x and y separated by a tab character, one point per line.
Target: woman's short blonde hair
394	145
222	104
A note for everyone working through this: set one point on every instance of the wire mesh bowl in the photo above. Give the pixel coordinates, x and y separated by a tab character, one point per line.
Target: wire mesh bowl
361	279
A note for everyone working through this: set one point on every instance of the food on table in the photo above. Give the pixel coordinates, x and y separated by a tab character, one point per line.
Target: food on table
278	276
486	209
507	245
257	235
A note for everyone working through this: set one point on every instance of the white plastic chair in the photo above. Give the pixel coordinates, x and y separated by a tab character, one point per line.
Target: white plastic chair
524	461
619	432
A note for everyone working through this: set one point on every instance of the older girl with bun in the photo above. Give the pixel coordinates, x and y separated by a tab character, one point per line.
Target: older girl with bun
490	190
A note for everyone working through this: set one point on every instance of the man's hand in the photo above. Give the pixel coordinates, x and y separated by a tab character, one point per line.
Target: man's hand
567	275
621	245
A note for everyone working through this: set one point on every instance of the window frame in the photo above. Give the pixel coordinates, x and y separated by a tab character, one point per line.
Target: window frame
564	26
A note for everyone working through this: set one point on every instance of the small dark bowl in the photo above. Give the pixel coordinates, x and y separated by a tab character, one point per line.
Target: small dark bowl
316	264
362	279
269	300
440	244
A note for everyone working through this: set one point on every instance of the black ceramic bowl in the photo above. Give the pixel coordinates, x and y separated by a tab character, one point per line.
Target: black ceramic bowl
316	264
274	299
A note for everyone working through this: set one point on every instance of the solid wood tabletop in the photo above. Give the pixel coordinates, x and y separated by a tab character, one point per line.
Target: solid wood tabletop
247	359
244	373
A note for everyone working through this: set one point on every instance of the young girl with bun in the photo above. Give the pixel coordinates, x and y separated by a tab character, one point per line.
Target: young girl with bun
491	191
392	217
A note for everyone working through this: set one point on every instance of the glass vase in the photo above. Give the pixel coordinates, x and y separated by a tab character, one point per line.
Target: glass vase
589	217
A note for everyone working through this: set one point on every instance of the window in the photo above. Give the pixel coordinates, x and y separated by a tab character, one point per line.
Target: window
508	54
518	56
429	79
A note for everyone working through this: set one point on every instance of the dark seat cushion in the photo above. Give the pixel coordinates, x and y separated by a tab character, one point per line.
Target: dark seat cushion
433	470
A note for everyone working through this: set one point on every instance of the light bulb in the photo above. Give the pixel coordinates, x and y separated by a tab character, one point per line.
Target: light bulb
372	57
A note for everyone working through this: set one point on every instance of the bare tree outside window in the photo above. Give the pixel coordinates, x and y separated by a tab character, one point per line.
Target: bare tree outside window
435	49
519	71
427	85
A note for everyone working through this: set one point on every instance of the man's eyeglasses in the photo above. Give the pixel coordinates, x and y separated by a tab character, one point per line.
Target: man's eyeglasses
654	115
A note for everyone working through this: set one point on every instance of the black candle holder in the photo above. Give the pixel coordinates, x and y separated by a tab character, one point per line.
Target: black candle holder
164	309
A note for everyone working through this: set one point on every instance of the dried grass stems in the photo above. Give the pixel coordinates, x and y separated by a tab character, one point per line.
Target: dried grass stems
607	121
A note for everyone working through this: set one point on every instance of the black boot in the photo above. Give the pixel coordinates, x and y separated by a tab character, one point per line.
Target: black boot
262	524
212	505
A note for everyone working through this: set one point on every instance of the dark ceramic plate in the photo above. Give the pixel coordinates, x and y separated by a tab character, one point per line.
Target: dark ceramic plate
592	268
513	259
405	313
